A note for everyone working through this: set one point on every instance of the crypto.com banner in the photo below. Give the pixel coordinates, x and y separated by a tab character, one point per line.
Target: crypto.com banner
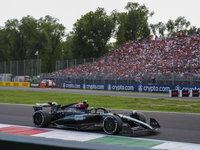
129	87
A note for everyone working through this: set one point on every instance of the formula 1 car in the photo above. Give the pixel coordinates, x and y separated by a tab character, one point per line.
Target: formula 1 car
80	117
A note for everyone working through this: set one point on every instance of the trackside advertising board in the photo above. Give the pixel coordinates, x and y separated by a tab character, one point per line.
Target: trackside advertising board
36	85
17	84
129	87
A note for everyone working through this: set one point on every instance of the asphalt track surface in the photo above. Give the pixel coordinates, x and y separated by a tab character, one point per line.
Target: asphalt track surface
179	127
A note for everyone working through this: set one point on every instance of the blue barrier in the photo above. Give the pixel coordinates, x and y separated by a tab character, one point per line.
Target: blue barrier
129	87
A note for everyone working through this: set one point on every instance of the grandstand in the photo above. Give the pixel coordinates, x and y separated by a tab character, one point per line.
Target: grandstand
172	60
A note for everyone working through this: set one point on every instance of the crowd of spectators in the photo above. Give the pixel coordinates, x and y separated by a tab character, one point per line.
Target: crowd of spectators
163	58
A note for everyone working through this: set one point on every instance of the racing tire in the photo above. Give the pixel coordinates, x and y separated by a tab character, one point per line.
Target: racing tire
112	125
141	116
41	118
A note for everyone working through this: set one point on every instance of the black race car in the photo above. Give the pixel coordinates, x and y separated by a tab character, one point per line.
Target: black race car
80	117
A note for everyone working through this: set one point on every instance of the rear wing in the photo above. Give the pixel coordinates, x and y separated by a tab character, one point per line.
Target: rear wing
41	105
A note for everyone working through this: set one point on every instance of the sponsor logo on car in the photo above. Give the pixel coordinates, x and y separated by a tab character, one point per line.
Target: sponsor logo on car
79	117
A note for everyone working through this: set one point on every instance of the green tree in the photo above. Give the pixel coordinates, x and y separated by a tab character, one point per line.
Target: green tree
31	36
154	28
51	34
4	45
119	34
192	30
21	39
67	54
15	40
181	23
80	46
134	23
91	34
161	28
170	25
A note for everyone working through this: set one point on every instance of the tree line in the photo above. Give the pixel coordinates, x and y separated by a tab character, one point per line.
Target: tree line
20	39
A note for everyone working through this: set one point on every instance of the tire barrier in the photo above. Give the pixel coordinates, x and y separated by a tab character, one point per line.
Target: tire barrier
194	93
183	93
173	93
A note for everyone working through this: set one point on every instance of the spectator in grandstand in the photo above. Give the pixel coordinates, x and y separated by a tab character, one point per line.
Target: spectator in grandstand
171	56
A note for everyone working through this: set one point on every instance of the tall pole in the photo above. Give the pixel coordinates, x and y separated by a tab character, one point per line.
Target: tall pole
156	48
24	67
56	65
37	53
191	69
198	54
141	56
5	67
37	63
173	66
62	57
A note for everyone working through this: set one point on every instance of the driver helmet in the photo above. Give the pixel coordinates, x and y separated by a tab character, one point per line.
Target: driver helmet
85	104
84	101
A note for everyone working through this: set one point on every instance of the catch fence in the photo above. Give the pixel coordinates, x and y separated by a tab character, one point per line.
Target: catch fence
21	68
156	67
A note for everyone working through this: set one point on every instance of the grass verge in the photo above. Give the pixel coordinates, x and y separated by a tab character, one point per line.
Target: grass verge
113	102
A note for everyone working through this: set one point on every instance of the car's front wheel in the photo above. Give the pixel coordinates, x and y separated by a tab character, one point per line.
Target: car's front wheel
112	125
141	116
41	118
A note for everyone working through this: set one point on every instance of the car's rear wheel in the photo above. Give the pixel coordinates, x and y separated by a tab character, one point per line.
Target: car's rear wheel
41	118
112	125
